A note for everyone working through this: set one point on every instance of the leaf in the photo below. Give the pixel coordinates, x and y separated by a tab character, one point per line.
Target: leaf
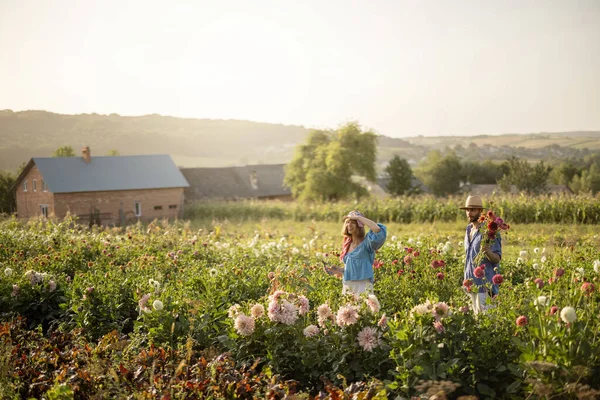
513	387
486	390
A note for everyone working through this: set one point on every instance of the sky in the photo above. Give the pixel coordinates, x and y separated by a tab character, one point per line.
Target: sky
400	68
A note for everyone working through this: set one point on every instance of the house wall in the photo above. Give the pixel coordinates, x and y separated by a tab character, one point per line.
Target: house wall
28	203
109	204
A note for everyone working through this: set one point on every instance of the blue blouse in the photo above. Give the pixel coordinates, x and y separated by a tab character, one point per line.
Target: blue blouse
359	262
471	250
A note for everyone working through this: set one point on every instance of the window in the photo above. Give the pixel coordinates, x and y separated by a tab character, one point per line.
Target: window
138	209
25	185
34	185
158	207
44	186
44	209
172	206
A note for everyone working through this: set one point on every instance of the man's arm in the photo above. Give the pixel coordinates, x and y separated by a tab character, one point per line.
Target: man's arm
490	255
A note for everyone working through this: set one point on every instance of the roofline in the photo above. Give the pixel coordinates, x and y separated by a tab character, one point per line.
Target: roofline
235	166
25	171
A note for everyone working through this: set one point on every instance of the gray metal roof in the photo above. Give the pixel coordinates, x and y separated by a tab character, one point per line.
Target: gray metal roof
235	182
73	174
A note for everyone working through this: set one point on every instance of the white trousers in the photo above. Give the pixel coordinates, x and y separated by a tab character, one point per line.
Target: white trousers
479	302
357	287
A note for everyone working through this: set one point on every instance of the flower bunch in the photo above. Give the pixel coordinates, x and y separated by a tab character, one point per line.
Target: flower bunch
286	307
491	224
489	228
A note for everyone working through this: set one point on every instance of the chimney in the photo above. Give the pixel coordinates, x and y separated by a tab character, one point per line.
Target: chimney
86	154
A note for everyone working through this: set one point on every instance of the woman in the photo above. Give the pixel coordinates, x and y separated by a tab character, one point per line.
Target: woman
358	252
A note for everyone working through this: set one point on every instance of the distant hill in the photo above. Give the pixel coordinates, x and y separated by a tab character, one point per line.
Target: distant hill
218	143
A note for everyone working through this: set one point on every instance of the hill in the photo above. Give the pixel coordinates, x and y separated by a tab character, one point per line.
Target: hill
218	143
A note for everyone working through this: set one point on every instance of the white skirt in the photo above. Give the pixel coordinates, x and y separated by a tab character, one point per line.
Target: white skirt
357	287
479	302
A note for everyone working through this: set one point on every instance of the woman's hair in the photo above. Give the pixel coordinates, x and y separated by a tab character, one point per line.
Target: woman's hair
361	230
347	241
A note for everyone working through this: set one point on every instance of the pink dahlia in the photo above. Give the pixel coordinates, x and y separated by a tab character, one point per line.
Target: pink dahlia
539	283
369	338
497	279
522	320
244	325
479	272
347	315
373	303
587	288
439	327
304	305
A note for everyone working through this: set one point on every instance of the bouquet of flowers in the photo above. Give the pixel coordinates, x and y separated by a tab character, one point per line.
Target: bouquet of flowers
490	225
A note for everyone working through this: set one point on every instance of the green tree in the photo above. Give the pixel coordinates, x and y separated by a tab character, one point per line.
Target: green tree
441	173
588	182
400	175
479	173
113	153
7	196
563	173
526	178
64	151
323	167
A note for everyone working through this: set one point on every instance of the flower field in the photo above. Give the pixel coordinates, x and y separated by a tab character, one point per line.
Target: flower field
168	311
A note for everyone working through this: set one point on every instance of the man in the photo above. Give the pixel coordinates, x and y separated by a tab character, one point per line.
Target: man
480	288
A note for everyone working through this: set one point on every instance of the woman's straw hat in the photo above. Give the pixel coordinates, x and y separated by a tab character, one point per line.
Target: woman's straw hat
473	201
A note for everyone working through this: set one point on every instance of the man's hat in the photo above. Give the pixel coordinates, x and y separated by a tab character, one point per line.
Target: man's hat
473	201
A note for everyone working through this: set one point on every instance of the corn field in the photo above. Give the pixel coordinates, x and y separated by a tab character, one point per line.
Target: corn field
522	209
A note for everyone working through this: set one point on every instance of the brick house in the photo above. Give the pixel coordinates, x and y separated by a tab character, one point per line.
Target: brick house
102	190
233	183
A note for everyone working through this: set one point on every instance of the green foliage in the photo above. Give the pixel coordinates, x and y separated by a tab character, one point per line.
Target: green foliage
440	173
527	178
7	195
480	173
563	173
113	153
588	182
476	354
581	209
331	350
400	174
322	169
100	333
64	151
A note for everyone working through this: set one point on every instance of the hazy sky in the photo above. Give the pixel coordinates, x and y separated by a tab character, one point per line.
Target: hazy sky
402	68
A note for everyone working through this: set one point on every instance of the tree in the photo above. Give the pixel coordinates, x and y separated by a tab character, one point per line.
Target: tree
479	173
113	153
527	178
64	151
442	174
322	168
400	175
563	173
588	182
7	196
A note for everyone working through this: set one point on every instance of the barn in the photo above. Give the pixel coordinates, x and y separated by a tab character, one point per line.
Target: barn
110	190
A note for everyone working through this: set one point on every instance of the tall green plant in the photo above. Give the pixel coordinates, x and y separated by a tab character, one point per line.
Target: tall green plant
323	167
